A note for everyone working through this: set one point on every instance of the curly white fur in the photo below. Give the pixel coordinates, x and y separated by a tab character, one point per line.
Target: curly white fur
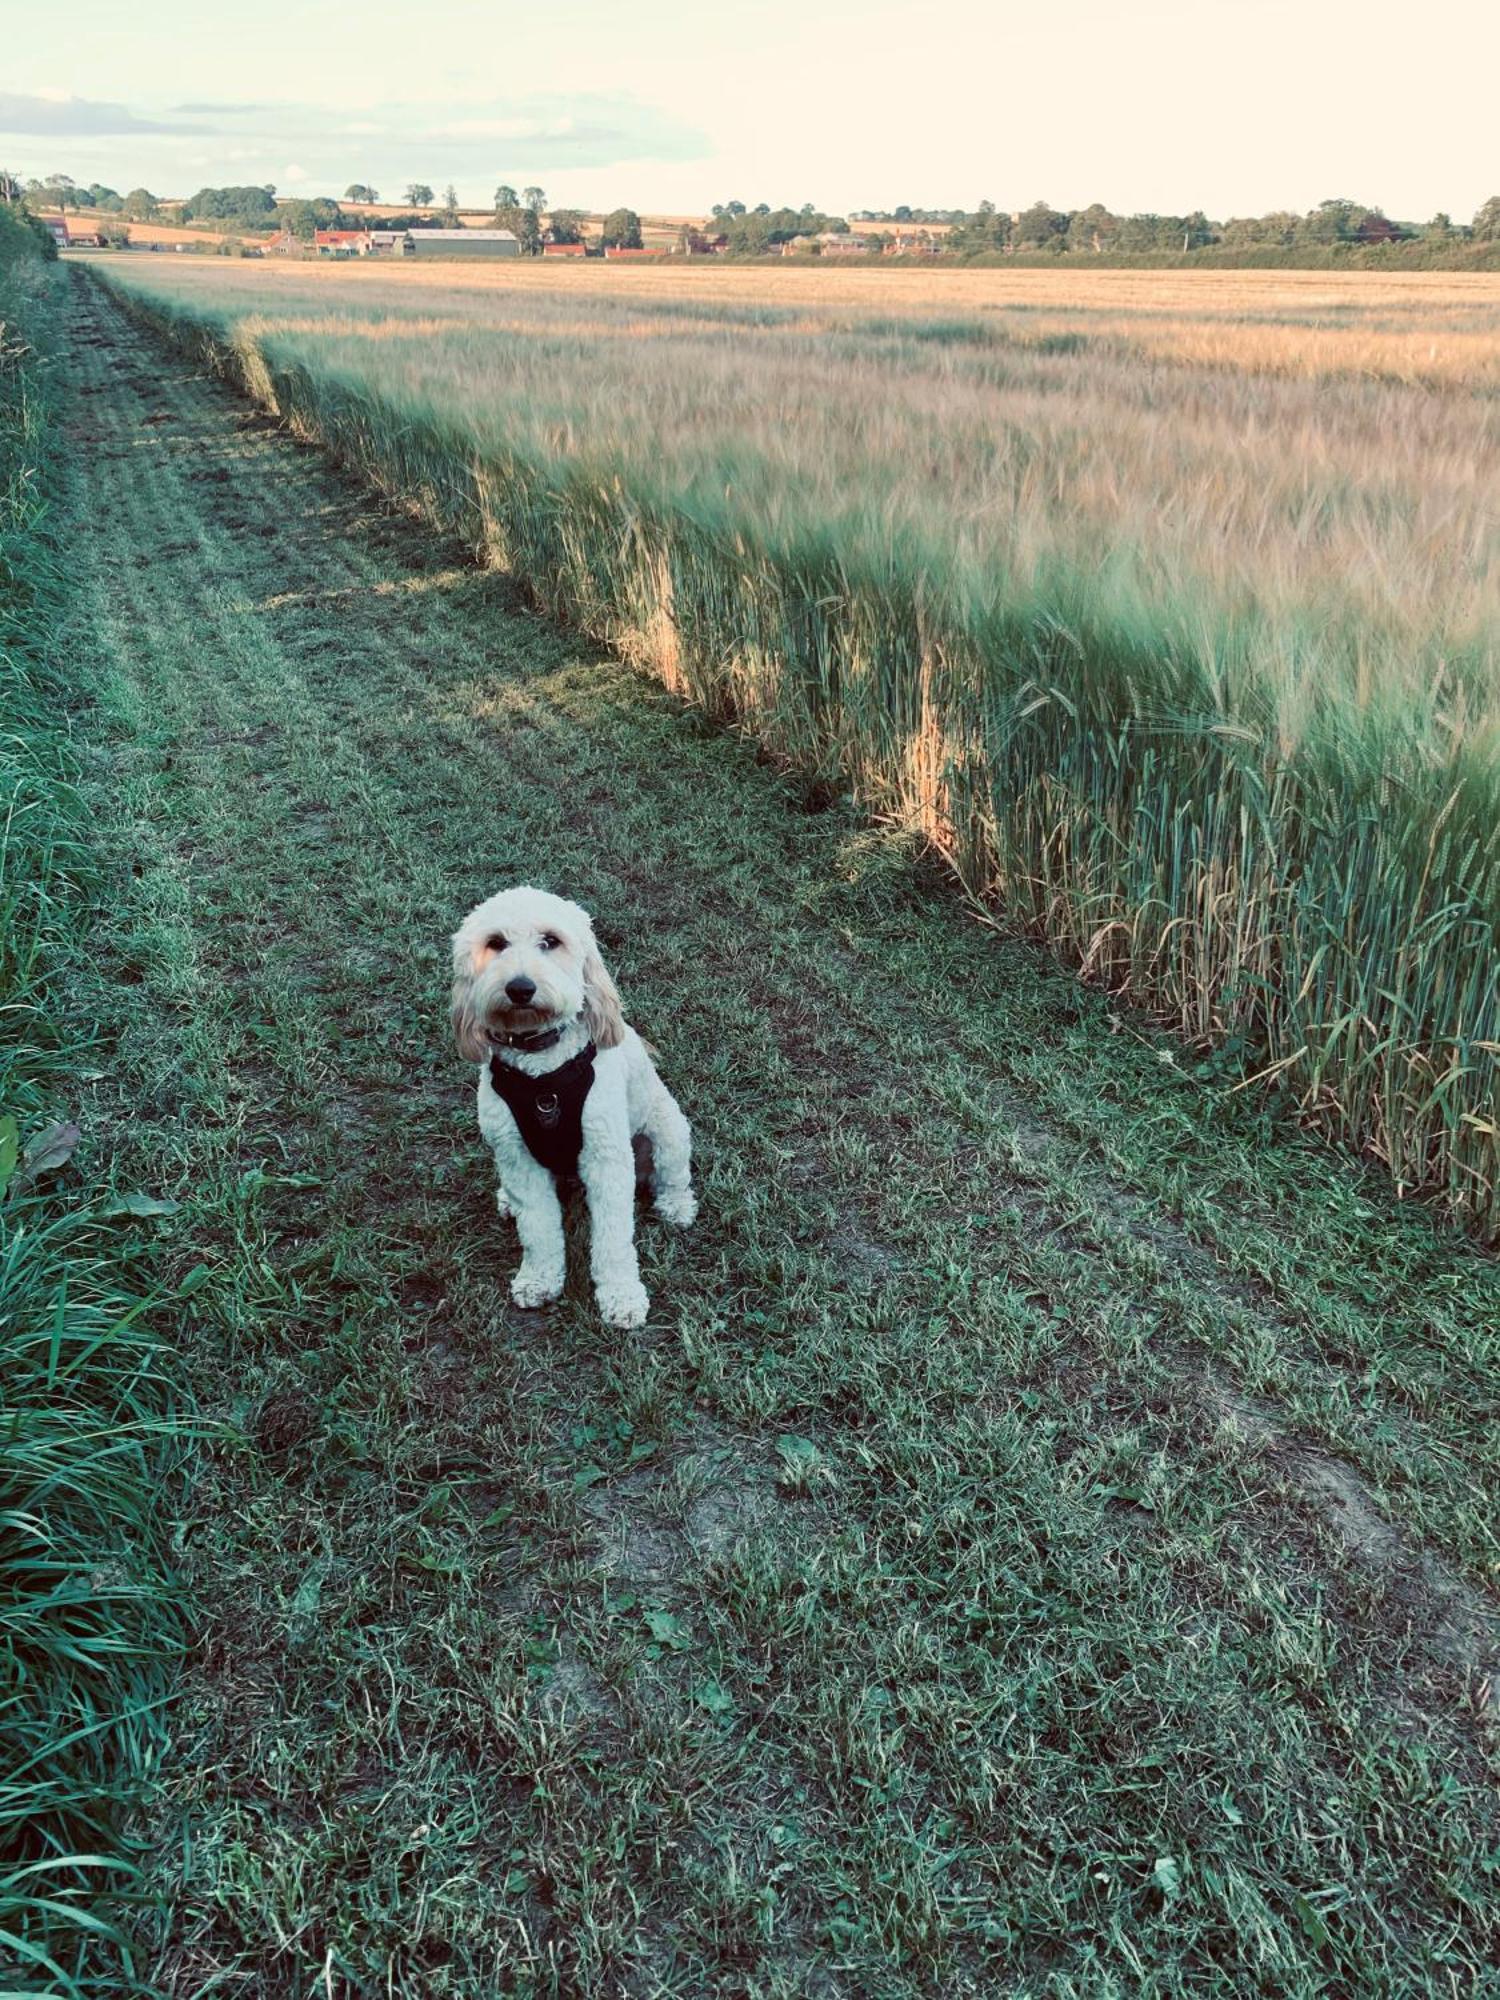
524	937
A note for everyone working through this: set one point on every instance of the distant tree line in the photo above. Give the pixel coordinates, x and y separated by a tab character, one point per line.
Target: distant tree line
1096	231
1327	233
751	232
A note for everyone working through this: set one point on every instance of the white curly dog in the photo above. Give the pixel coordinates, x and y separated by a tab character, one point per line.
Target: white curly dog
564	1087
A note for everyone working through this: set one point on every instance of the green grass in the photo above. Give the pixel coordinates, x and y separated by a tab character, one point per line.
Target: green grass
1042	1543
88	1625
1189	671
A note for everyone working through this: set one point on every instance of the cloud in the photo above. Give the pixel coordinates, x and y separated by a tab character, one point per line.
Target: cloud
506	135
49	115
471	139
552	131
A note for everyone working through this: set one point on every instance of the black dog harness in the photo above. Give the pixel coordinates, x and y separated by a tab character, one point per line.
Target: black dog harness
548	1109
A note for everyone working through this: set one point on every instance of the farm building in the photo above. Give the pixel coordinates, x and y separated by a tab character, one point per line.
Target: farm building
340	242
615	251
464	243
73	235
834	243
565	250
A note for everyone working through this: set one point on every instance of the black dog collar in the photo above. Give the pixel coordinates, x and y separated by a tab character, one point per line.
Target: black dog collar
548	1109
535	1042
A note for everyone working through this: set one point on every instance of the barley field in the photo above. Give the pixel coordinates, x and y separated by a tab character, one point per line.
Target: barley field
1165	606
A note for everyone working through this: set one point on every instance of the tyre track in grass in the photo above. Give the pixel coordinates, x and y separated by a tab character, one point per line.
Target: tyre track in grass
530	1663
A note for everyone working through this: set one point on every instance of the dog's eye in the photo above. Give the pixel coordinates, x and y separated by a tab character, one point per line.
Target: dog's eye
550	941
495	943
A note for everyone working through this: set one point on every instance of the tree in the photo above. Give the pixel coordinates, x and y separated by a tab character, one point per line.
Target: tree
450	205
535	199
10	185
419	194
1331	222
358	191
305	218
1092	228
1440	229
140	205
986	229
1040	227
1487	221
565	225
621	230
220	204
506	198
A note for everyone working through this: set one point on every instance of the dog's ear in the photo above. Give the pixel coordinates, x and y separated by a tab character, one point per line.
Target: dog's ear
472	1045
602	1013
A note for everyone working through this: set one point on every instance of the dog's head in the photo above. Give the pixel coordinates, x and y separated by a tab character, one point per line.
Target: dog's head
524	962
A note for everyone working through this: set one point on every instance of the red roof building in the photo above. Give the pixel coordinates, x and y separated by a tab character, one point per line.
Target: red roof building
565	250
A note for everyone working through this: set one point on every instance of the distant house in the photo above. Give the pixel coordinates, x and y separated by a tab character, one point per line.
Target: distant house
73	235
616	252
565	250
388	243
464	243
341	242
905	243
834	243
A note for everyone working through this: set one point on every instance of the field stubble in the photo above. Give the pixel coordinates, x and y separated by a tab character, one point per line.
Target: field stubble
1165	607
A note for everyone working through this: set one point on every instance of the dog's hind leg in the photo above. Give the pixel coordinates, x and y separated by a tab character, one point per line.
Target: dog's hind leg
672	1151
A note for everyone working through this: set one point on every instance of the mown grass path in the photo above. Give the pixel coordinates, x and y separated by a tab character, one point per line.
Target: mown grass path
1042	1541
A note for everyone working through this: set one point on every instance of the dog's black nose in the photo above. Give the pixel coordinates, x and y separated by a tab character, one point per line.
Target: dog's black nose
520	988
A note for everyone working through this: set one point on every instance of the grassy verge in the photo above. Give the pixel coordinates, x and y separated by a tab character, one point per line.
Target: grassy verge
1246	812
1043	1542
88	1624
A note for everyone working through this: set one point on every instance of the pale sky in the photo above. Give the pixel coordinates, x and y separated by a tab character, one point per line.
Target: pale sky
1234	106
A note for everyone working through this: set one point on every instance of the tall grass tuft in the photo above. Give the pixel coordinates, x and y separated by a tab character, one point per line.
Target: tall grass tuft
1192	669
88	1623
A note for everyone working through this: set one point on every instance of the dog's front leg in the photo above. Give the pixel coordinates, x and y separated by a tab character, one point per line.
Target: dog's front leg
532	1195
607	1169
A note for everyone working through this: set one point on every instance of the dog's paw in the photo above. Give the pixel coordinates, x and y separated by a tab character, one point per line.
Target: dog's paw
531	1290
679	1207
624	1305
502	1205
